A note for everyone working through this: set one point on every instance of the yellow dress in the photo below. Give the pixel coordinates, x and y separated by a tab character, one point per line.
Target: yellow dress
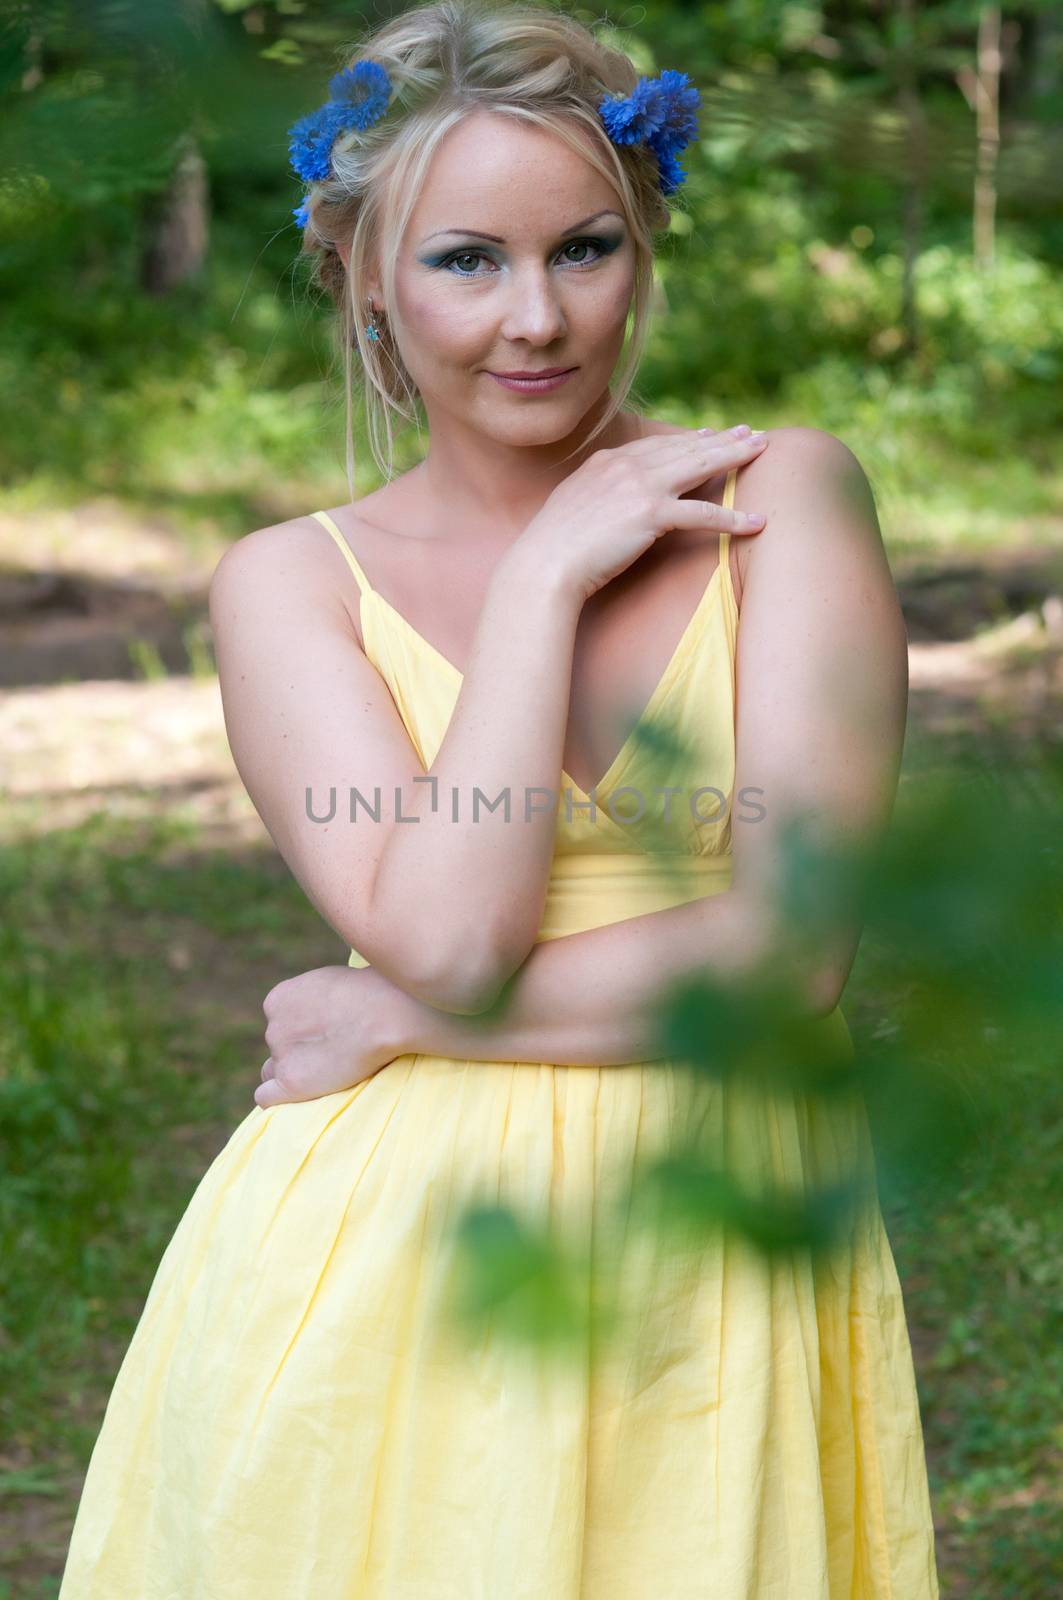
286	1424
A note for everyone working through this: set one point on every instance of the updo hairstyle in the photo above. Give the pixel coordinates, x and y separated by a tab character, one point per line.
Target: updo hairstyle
445	60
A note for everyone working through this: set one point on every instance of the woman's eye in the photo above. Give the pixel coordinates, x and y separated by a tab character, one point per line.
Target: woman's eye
466	255
458	256
580	244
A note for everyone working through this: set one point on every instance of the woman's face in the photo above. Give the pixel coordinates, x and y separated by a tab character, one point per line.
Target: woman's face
551	286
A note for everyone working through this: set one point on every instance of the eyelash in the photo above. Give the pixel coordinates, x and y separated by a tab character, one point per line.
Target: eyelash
458	255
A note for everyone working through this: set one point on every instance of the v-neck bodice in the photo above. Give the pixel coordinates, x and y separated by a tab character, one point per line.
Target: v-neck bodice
656	830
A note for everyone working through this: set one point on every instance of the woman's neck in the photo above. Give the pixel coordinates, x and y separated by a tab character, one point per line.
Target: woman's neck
492	491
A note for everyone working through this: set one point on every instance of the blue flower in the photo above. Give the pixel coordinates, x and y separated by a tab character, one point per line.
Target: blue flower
671	173
366	87
359	98
301	213
311	139
659	112
632	119
678	107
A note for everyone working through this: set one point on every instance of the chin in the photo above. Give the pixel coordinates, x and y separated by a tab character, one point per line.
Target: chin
554	430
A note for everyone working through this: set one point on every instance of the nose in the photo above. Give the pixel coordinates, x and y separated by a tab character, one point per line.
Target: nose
534	313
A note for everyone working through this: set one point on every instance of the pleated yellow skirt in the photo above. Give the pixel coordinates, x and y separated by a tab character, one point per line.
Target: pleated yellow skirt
291	1422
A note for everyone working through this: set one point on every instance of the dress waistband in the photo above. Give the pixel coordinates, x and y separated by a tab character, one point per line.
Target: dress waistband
589	890
675	867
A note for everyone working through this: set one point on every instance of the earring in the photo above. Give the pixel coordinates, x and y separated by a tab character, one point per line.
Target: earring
372	330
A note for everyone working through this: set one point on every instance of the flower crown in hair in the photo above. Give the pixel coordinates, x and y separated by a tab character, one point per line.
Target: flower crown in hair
660	112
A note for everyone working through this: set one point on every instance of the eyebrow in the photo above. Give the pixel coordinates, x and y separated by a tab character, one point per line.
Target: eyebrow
476	234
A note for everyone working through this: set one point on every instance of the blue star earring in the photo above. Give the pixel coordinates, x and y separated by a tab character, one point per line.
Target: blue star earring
372	330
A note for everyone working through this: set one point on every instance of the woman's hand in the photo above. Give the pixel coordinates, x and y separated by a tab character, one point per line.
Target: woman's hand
326	1030
607	512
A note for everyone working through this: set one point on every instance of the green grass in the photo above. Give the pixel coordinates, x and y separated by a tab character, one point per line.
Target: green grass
116	1091
983	1270
111	1089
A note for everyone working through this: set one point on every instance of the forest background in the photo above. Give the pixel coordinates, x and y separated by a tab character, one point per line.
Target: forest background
870	242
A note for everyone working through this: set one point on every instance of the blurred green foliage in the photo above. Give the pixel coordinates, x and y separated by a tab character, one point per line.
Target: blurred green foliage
782	281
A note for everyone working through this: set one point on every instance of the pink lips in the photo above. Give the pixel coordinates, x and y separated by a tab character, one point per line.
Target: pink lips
534	385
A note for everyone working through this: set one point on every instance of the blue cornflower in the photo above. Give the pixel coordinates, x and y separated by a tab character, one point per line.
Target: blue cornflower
671	173
660	112
631	119
366	87
301	213
311	139
678	106
359	98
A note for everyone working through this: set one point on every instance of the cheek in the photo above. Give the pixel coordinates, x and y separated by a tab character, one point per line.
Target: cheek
599	329
605	304
443	328
617	298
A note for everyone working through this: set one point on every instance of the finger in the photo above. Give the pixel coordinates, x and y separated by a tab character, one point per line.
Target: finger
730	447
267	1069
720	454
660	446
707	514
649	442
698	459
273	1093
270	1093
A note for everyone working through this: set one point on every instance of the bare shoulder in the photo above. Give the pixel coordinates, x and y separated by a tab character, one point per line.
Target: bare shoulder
814	493
292	568
276	548
805	457
822	536
302	547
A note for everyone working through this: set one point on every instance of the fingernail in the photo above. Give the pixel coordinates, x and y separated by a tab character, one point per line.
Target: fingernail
754	517
742	430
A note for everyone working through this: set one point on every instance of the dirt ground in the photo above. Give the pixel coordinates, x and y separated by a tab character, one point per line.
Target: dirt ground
108	698
107	690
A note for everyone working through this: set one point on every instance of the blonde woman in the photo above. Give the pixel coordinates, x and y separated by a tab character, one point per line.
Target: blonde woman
557	576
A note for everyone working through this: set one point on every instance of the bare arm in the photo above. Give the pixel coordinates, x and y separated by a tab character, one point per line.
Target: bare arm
822	701
307	714
484	838
435	893
486	872
572	1002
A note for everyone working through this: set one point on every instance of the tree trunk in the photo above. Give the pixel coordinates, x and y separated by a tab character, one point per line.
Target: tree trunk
176	224
988	124
911	106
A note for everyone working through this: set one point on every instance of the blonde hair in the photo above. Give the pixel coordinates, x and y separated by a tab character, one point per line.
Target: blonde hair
445	60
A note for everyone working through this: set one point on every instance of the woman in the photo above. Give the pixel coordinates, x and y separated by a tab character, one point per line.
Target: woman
288	1420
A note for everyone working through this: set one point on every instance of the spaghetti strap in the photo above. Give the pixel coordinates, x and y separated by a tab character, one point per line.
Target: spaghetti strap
729	501
326	522
725	534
